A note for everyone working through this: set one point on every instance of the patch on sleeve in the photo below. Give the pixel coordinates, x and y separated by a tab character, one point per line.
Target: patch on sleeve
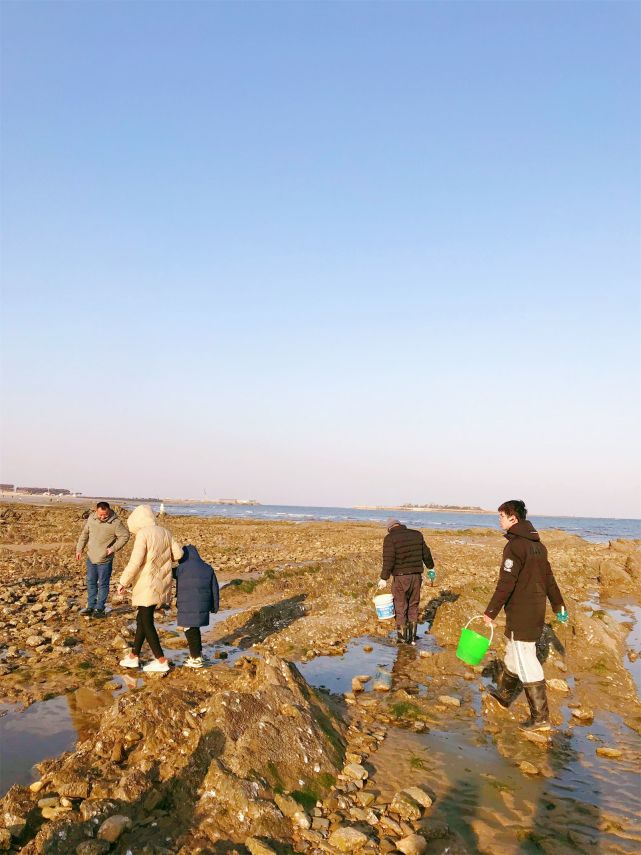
508	564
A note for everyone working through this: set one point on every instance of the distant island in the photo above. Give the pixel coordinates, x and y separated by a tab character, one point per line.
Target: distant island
408	506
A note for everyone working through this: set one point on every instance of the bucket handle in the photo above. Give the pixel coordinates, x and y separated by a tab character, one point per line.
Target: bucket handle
480	616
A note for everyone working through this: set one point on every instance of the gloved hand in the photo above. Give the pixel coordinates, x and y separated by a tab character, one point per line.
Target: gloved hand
382	583
563	615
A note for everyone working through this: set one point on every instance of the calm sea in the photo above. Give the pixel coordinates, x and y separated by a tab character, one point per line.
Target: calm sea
596	529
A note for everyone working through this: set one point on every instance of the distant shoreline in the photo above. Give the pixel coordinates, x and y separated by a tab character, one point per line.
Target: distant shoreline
421	509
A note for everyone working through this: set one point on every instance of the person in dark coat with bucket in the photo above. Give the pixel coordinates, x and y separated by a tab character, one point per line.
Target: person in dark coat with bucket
197	595
404	553
525	583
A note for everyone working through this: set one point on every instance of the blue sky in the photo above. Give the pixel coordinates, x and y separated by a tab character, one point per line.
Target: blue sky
326	253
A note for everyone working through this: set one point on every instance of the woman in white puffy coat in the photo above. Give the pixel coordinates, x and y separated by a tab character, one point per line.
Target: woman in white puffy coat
149	572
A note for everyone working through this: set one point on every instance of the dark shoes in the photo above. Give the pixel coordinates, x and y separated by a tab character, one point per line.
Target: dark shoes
538	701
401	634
87	612
411	633
99	613
508	687
406	634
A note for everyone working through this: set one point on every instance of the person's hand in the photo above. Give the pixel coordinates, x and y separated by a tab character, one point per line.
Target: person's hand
78	556
382	583
563	615
121	590
488	620
110	551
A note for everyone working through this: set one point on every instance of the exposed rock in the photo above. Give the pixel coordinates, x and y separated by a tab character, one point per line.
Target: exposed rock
355	771
449	701
613	753
258	847
5	839
112	828
347	839
558	685
406	806
413	844
419	796
93	847
528	768
582	714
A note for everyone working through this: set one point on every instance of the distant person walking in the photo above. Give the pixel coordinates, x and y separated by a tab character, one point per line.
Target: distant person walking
525	581
404	554
103	535
149	571
197	595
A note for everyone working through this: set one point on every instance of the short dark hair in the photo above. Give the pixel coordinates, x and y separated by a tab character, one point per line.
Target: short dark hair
514	508
104	506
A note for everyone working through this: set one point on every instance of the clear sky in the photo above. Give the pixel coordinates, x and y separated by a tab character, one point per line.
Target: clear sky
323	253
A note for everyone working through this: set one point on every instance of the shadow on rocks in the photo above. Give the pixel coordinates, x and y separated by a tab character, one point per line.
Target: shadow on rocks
266	621
429	612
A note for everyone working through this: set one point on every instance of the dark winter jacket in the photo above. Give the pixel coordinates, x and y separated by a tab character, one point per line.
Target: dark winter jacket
525	580
404	551
196	589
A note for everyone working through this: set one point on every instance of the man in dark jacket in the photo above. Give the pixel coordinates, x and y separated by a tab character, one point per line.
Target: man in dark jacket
404	553
525	582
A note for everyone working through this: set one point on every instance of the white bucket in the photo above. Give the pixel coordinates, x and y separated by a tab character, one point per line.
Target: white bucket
384	606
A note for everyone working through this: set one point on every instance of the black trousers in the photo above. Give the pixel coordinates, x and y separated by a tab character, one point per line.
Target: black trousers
145	630
407	594
194	641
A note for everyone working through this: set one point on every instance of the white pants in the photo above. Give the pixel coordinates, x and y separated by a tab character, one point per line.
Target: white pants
520	659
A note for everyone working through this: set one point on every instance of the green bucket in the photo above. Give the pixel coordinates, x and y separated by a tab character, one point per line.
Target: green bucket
472	647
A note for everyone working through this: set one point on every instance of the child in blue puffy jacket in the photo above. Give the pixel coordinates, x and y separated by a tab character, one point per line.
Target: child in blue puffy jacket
197	595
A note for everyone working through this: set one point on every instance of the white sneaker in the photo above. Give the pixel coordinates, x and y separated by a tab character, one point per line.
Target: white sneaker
156	667
130	662
195	662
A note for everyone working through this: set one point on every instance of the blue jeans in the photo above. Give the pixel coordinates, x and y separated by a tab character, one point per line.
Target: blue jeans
98	576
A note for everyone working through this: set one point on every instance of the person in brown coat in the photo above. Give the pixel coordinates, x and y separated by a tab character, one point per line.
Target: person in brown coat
404	553
525	583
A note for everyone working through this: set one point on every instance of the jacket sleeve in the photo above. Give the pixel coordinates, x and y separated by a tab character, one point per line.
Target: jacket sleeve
510	568
552	590
215	592
427	556
176	550
136	561
122	535
84	538
389	557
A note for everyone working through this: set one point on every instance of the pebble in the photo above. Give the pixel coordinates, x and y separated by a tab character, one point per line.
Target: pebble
528	768
36	786
413	844
612	753
406	807
583	714
533	736
558	685
419	796
368	648
449	701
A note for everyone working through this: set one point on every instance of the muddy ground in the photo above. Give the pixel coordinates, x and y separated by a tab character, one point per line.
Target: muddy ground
255	754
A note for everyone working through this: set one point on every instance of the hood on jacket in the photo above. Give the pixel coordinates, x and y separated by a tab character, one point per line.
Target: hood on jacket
141	517
189	553
523	528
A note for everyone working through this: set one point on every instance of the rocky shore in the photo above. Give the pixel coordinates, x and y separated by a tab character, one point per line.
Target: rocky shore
311	732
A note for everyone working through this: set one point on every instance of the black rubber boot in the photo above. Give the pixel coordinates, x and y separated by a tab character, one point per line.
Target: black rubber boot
539	713
412	636
401	634
508	687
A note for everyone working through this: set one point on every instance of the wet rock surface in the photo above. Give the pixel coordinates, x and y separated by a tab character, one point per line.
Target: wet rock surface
365	744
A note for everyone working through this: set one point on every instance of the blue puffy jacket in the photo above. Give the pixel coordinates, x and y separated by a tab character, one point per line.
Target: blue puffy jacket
196	589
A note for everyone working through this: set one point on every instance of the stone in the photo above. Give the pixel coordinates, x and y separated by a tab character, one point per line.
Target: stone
537	738
50	801
97	810
406	807
528	768
583	714
365	799
391	824
449	701
419	796
347	839
258	847
5	839
319	823
301	820
92	847
367	648
558	685
357	686
36	786
112	828
287	805
72	787
413	844
355	771
612	753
